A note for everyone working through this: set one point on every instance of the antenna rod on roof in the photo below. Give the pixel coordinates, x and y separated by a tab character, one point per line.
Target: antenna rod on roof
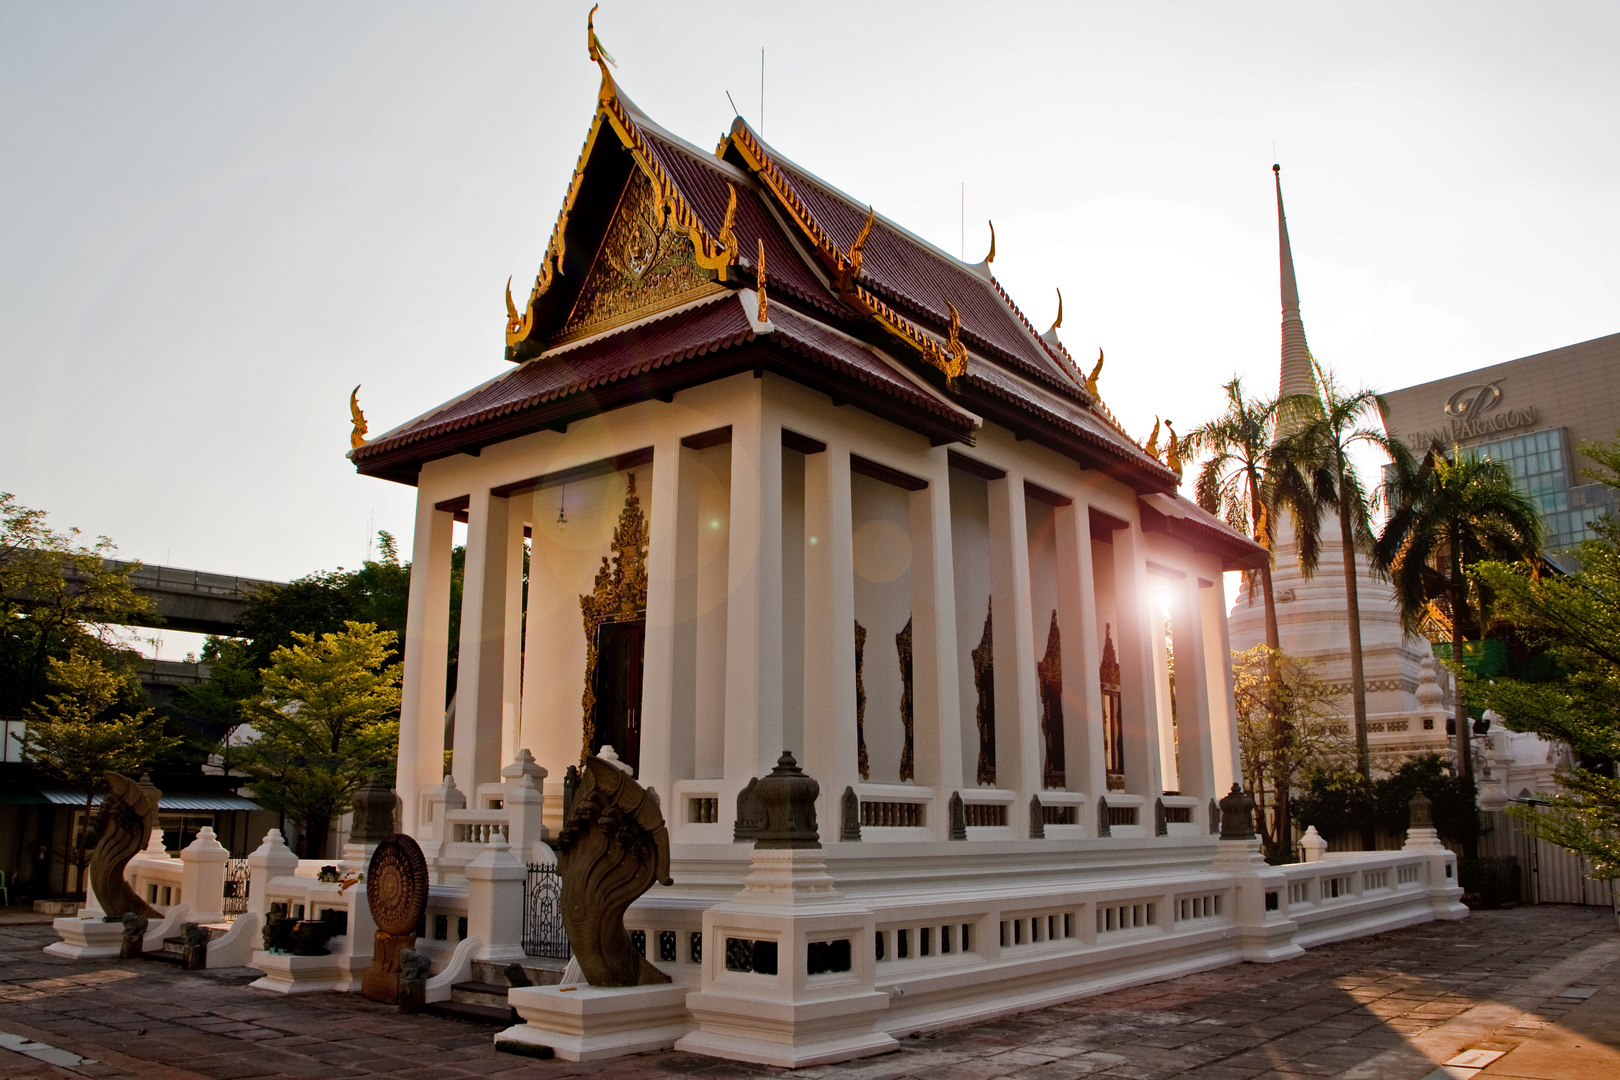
961	226
762	91
734	110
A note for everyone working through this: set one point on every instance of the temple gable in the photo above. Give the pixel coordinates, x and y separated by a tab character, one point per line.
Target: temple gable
644	265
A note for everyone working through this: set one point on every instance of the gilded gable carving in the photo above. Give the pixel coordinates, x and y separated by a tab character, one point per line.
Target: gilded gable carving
645	264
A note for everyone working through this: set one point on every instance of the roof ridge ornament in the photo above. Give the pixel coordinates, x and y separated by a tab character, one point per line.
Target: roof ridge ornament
956	359
849	267
593	44
1057	322
759	283
1152	445
1091	380
1172	453
357	436
991	257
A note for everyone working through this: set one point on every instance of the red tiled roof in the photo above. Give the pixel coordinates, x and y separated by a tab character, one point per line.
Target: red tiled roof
915	277
704	181
660	342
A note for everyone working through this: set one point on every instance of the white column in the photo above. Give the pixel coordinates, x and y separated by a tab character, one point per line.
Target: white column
1137	686
1077	623
936	710
427	649
754	598
1218	672
658	661
480	680
1018	741
1161	589
829	633
1197	771
512	631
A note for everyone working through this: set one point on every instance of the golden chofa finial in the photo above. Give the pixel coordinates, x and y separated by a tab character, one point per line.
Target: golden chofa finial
1152	447
357	437
593	44
990	258
759	283
1057	322
1091	380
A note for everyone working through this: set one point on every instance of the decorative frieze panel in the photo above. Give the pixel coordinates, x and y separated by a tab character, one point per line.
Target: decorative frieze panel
1049	672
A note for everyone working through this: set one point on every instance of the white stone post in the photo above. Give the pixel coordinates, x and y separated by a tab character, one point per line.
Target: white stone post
202	876
511	712
1311	846
523	797
1137	686
663	621
427	645
1086	770
480	678
1018	741
754	605
495	883
271	859
936	709
829	632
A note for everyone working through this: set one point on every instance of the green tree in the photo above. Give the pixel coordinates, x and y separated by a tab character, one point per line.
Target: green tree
1339	800
1232	479
1448	516
58	597
1316	478
326	720
1289	726
85	730
1577	618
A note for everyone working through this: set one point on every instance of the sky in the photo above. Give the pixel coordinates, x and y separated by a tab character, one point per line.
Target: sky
217	220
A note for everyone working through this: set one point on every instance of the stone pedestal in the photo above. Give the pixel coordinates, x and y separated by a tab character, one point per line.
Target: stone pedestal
381	981
1264	936
589	1023
759	1000
271	859
87	939
1445	891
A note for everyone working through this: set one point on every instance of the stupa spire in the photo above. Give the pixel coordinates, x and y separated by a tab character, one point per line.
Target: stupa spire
1297	377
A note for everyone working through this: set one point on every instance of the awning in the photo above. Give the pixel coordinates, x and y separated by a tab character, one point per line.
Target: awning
180	801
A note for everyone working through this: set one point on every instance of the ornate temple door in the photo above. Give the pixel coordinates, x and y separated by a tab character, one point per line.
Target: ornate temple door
621	647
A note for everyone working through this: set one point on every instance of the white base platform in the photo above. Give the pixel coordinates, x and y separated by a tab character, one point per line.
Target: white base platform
288	974
87	939
588	1023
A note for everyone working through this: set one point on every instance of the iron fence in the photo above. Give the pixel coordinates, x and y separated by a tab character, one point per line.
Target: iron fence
543	933
236	887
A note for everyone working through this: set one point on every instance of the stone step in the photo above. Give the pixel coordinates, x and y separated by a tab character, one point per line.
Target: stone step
475	1014
492	995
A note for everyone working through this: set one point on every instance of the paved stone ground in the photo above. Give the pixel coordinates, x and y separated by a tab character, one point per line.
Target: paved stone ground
1389	1007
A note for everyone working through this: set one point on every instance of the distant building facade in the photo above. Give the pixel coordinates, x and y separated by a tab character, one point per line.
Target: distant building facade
1530	414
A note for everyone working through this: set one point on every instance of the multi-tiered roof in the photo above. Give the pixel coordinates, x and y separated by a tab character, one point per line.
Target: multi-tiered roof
651	283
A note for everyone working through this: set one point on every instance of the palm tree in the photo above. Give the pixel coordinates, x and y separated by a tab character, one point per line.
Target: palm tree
1447	516
1314	475
1232	480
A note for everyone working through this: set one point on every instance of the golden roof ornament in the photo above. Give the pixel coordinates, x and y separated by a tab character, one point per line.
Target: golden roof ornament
848	272
1172	453
990	258
1091	380
1057	322
357	437
1152	447
956	362
759	282
593	44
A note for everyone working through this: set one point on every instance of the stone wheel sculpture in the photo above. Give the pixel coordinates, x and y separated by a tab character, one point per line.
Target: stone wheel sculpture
611	849
397	885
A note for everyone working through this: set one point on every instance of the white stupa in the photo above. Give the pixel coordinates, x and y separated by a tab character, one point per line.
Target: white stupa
1407	699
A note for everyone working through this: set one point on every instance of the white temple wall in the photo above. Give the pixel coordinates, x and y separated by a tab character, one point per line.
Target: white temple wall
970	574
421	715
881	543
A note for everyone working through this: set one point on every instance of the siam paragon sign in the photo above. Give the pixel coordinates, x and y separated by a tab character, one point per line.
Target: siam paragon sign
1475	411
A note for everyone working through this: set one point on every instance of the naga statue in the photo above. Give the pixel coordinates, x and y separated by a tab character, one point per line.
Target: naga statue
612	847
129	813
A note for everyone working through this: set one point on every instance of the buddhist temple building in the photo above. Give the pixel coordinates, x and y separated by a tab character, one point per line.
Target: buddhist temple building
771	473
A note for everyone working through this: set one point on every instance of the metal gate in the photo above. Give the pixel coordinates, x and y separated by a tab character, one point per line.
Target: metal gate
543	933
236	887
